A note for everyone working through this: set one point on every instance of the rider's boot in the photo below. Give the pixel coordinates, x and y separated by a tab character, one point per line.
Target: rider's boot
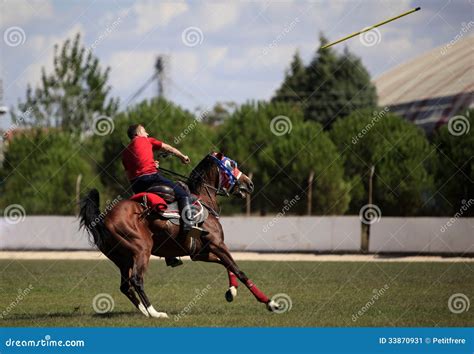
173	262
187	213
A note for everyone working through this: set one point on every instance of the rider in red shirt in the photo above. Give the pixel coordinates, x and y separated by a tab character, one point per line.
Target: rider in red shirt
142	171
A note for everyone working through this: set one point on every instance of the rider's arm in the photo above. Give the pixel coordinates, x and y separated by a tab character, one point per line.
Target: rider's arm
174	151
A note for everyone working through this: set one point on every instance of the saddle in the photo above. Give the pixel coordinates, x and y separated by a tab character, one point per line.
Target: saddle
161	201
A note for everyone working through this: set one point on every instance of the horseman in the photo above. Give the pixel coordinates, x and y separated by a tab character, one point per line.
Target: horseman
142	172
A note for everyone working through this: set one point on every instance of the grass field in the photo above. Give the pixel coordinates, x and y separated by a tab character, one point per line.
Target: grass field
322	294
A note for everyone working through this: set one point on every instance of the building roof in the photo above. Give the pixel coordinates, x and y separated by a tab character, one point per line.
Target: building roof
434	86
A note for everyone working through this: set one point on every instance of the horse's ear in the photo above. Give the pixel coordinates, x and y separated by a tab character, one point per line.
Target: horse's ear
218	155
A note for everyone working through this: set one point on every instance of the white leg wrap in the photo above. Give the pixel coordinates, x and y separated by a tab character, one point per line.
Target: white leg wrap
156	314
143	310
273	306
233	291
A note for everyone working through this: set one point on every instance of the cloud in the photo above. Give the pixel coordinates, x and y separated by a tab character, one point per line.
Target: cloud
216	16
41	49
131	69
215	55
20	12
150	14
256	58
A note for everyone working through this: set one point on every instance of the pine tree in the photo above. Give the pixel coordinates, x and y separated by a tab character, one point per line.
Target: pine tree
72	95
353	82
293	88
330	87
322	100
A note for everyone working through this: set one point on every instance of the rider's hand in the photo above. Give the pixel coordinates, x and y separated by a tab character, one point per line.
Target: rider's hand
185	159
157	163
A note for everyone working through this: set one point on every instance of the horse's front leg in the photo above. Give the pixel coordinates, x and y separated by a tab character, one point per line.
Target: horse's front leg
224	255
231	292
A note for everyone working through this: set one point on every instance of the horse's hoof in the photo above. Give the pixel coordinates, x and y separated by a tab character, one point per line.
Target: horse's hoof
155	314
231	293
273	306
160	315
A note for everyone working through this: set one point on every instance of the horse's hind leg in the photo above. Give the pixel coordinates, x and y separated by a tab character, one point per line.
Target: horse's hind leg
127	289
138	272
125	266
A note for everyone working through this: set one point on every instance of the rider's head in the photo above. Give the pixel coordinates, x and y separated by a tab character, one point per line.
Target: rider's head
136	130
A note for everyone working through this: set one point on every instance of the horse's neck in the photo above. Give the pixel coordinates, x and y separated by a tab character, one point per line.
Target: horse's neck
207	178
207	194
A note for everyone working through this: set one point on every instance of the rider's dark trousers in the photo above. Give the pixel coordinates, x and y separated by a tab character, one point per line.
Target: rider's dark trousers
142	183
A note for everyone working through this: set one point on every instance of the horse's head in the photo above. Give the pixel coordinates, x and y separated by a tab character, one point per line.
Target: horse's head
221	174
231	180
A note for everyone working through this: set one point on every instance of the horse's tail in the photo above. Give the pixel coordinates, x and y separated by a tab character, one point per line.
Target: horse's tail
92	219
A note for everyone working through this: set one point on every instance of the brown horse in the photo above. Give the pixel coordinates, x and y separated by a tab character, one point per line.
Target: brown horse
128	238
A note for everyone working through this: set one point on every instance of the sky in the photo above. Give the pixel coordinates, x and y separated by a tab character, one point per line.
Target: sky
215	50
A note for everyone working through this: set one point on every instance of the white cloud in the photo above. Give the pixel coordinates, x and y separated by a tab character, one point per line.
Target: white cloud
215	55
256	57
185	64
19	12
41	48
216	16
151	14
129	68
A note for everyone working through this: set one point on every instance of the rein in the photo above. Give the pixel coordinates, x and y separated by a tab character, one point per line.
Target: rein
172	173
207	186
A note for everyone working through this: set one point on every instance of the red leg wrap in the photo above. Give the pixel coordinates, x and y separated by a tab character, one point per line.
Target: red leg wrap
257	292
233	280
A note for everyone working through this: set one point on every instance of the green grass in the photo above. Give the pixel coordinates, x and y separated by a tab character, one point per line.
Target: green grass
323	294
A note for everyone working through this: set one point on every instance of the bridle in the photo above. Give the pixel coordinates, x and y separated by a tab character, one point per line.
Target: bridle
224	167
224	171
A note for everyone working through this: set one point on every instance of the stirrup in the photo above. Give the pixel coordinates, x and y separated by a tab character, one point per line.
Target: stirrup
196	232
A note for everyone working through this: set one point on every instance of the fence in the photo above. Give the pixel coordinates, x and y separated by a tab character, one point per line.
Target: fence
272	234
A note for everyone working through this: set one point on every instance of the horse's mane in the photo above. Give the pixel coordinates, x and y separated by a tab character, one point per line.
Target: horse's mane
196	178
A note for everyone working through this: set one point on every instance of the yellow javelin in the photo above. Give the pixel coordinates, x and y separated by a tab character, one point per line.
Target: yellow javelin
370	28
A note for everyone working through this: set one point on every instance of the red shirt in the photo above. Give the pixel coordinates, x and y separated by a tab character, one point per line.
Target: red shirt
138	159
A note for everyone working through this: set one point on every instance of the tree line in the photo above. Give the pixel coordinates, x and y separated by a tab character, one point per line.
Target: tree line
323	121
